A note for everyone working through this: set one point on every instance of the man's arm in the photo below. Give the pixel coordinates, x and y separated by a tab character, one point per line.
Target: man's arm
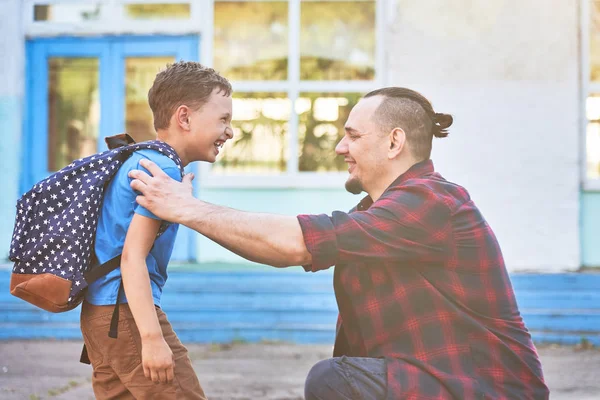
157	357
411	224
270	239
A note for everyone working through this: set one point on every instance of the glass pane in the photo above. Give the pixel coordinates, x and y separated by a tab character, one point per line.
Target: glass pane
139	76
67	12
593	137
250	40
322	118
592	108
337	40
260	127
73	109
158	11
595	41
593	150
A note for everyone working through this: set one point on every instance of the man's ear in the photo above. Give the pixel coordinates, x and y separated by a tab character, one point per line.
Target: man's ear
182	117
397	140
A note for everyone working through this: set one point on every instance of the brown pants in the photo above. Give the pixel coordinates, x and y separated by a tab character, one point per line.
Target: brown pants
118	371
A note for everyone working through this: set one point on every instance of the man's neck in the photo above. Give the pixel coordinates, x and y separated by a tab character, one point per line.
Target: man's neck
385	180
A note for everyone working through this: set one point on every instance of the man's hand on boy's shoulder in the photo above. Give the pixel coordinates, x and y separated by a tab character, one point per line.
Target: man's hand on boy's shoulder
165	197
157	360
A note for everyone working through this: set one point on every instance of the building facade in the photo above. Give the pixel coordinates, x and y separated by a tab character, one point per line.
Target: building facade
520	78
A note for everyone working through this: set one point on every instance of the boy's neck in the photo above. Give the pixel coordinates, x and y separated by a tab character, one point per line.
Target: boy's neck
172	140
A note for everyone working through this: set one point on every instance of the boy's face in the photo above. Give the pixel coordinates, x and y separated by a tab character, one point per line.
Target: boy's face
210	127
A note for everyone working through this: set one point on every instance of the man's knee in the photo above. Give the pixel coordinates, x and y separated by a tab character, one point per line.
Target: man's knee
346	379
316	377
322	381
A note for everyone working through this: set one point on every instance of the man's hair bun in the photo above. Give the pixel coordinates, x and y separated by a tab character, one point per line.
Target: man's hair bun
441	123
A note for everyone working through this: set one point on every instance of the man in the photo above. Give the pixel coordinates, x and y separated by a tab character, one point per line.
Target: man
427	310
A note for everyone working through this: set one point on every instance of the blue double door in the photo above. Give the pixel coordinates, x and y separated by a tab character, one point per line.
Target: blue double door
81	90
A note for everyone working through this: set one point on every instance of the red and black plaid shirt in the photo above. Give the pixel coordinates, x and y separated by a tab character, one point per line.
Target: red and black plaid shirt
420	281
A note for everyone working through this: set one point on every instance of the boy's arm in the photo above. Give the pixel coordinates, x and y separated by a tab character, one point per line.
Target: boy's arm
157	357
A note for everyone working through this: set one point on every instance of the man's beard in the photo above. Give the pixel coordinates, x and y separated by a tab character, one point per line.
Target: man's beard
354	186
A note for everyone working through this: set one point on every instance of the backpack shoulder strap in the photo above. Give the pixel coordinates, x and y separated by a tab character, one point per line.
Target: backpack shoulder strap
92	274
163	148
116	141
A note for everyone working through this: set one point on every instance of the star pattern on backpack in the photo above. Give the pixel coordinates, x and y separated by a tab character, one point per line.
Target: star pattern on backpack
56	220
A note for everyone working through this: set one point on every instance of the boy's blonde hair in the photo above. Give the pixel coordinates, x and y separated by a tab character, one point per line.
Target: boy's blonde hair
183	83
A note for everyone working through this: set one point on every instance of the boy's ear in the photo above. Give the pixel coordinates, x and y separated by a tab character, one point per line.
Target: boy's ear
182	117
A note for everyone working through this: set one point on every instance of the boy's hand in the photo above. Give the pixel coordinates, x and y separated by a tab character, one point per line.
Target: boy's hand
157	360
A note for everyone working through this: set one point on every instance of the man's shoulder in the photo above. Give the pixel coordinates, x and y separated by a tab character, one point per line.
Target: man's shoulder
432	187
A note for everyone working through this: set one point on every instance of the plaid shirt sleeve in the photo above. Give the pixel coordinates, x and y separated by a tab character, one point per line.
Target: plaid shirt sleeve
408	223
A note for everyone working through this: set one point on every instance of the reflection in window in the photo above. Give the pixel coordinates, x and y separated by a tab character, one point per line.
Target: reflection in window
260	126
250	40
322	118
67	12
595	41
73	110
139	76
593	137
95	11
337	40
158	11
593	150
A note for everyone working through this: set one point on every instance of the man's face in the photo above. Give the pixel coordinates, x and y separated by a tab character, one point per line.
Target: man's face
210	127
363	146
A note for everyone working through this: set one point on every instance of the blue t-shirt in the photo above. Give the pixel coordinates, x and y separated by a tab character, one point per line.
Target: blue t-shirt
118	208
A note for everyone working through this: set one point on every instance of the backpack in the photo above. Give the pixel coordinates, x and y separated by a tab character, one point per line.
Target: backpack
55	226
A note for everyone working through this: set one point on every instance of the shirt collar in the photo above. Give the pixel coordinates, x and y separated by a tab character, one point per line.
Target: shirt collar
417	170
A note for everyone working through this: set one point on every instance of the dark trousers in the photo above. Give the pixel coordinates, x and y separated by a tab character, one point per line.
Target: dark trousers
347	378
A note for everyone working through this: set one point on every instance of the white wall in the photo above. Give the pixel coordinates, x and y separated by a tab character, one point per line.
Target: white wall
11	92
508	72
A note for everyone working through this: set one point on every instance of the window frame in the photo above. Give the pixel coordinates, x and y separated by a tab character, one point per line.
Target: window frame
118	23
588	88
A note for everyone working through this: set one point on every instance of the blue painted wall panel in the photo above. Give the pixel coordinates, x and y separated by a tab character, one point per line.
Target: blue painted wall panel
290	305
10	149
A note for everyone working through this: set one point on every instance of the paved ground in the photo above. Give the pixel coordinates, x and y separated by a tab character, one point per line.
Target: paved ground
49	370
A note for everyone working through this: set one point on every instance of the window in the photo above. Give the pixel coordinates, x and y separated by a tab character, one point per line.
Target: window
65	13
591	85
139	76
73	12
261	134
73	109
112	17
158	11
297	68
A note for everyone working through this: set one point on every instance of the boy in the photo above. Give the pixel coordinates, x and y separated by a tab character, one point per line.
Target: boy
191	105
